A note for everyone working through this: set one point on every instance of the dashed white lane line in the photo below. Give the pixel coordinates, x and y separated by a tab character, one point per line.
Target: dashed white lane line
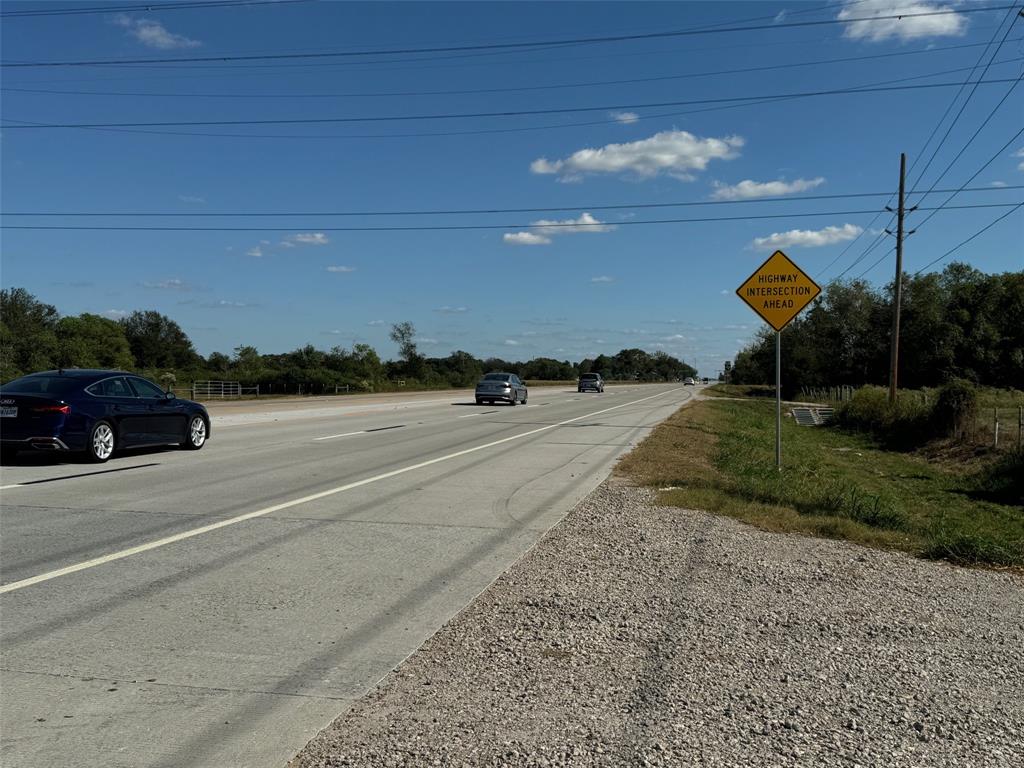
97	561
345	434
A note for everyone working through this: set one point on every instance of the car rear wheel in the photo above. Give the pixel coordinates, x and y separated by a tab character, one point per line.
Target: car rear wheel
479	401
196	436
513	400
101	442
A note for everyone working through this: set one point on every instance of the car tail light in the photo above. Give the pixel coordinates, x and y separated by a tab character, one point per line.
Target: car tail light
65	409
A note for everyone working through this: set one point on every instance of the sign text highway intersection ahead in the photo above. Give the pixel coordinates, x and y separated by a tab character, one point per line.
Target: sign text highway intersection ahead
778	290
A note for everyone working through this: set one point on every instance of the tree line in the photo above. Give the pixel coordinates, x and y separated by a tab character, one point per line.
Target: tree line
957	324
34	337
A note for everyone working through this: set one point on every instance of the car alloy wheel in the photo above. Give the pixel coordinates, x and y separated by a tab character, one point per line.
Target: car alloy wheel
101	442
196	433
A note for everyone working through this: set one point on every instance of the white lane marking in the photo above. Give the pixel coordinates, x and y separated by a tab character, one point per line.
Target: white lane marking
346	434
467	415
14	485
96	561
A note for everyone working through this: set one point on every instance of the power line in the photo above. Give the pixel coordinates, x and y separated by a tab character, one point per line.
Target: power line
516	89
149	7
882	258
482	131
925	147
503	113
484	211
965	242
596	226
422	65
507	46
963	106
975	174
935	210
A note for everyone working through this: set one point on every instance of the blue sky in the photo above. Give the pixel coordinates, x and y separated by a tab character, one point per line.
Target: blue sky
597	282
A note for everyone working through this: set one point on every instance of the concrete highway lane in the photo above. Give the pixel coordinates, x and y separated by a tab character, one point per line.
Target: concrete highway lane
218	608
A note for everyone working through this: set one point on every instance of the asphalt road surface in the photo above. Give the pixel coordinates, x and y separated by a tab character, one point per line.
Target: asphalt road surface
172	608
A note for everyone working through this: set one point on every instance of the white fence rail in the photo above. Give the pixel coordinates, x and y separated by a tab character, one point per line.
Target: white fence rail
221	389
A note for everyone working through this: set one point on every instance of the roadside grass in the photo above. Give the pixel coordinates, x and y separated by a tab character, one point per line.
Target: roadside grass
739	390
719	456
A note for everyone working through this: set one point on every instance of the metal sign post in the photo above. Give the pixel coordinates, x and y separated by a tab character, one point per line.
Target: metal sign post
778	291
778	400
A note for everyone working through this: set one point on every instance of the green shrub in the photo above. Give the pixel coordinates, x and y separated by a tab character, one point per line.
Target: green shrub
955	408
1003	482
903	424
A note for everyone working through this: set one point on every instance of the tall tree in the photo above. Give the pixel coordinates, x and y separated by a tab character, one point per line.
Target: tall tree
28	338
157	341
91	341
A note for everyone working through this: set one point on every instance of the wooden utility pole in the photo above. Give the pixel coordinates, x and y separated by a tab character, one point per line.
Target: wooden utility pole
897	298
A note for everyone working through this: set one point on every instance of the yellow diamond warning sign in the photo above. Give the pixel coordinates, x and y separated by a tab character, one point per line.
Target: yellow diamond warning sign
778	290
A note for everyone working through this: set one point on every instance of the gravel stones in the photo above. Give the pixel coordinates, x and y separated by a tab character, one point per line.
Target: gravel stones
636	635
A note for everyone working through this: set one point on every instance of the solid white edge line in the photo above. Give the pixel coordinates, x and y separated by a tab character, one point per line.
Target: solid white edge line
13	485
347	434
96	561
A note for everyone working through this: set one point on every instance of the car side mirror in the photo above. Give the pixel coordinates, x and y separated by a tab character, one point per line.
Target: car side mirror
169	395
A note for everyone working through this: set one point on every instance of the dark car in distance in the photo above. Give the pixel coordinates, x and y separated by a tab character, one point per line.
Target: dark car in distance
590	381
97	412
506	387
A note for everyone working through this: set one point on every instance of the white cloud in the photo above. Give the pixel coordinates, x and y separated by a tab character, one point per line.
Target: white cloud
676	153
340	268
602	279
725	291
626	118
543	229
511	343
807	238
446	310
376	322
676	337
1020	153
115	314
748	190
902	28
525	238
999	183
192	199
224	304
171	284
780	16
585	223
306	238
255	251
153	34
427	341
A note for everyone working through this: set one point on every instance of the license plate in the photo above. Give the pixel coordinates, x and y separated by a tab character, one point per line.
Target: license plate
9	412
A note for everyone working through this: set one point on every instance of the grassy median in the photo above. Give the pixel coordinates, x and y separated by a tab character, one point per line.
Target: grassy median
719	456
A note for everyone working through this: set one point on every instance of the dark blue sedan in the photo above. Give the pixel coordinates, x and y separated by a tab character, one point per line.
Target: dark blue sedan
97	412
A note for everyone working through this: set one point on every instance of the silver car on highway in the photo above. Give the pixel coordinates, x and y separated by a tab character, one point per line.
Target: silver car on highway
506	387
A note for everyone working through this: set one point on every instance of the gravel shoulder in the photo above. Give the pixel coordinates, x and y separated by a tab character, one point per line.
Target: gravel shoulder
641	635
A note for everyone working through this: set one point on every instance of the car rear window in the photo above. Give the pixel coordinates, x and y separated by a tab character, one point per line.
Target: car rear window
590	376
42	385
497	377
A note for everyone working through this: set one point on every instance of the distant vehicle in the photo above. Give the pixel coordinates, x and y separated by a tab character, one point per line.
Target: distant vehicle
97	412
496	386
705	379
590	381
689	382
